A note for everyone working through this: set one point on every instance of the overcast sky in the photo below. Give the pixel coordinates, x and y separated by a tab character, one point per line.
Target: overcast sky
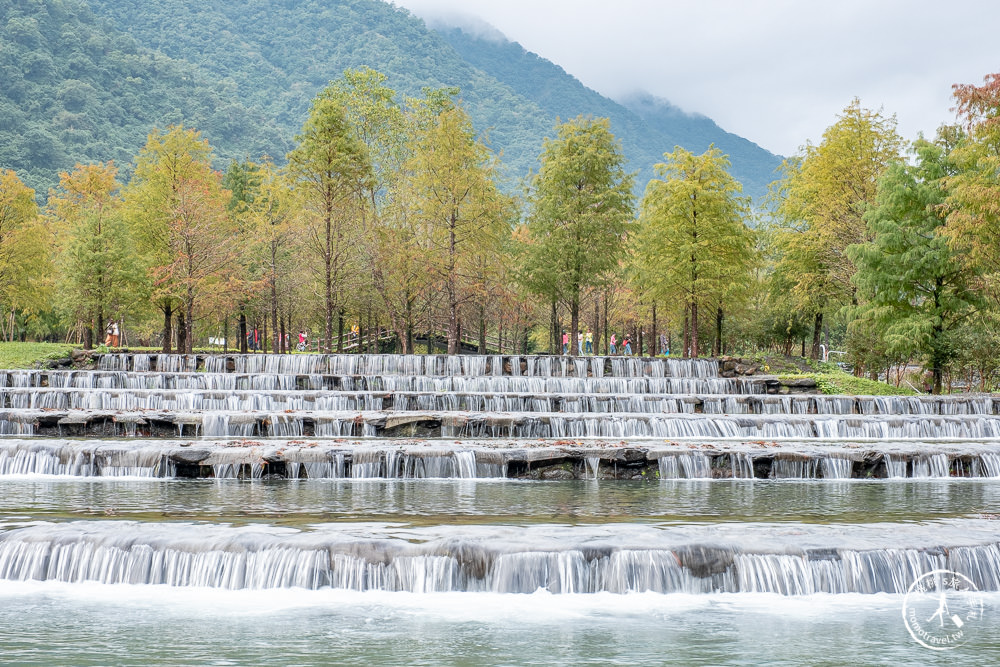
774	71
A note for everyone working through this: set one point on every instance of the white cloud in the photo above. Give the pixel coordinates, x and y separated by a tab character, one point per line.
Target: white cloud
774	71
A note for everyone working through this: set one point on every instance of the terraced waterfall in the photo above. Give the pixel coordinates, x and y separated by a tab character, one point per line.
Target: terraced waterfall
381	509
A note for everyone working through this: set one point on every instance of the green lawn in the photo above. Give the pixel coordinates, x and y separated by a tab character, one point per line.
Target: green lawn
832	380
24	355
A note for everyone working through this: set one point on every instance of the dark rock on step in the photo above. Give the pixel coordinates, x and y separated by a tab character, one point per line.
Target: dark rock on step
556	473
631	455
704	561
188	455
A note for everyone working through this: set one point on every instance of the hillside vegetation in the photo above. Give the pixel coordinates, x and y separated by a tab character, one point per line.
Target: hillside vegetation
75	90
648	127
86	81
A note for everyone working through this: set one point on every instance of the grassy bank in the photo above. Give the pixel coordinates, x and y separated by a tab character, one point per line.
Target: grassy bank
832	380
26	355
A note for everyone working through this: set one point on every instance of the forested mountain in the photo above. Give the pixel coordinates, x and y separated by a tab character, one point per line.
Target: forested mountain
648	127
86	80
278	55
75	90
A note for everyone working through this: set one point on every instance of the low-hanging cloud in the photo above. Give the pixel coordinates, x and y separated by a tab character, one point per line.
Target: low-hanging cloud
775	71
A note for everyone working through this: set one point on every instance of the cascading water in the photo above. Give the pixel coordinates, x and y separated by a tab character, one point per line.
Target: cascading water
378	474
190	556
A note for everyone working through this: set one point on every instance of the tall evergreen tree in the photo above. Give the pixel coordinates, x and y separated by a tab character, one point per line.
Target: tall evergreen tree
821	205
580	212
263	207
100	274
462	212
176	209
389	244
330	170
25	259
693	246
915	289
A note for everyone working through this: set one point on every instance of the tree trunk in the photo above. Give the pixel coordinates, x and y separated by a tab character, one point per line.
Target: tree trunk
168	317
607	334
99	324
189	326
275	344
653	351
454	340
937	354
328	277
817	332
597	325
340	333
181	333
554	328
694	287
482	330
687	333
694	329
717	351
574	323
430	334
243	330
408	347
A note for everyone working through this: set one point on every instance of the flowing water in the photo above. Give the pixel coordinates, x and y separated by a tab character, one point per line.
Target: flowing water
157	548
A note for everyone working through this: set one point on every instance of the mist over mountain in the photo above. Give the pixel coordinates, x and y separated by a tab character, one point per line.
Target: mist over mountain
647	126
86	80
753	166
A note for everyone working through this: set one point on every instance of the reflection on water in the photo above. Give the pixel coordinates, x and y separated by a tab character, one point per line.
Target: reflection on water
469	501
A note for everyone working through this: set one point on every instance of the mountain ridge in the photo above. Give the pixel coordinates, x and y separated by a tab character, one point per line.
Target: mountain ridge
635	118
244	74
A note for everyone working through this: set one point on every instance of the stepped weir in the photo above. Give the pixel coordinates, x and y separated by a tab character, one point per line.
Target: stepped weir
487	476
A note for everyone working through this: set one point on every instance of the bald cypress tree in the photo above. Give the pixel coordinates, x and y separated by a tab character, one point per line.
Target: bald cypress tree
693	247
822	200
915	289
330	169
581	210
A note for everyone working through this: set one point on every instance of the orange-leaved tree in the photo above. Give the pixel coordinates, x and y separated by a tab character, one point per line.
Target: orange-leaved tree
176	208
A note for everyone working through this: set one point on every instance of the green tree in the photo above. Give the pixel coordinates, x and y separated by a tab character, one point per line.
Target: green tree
580	212
330	171
458	207
821	203
389	242
176	209
99	272
25	262
693	246
974	191
264	209
914	290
